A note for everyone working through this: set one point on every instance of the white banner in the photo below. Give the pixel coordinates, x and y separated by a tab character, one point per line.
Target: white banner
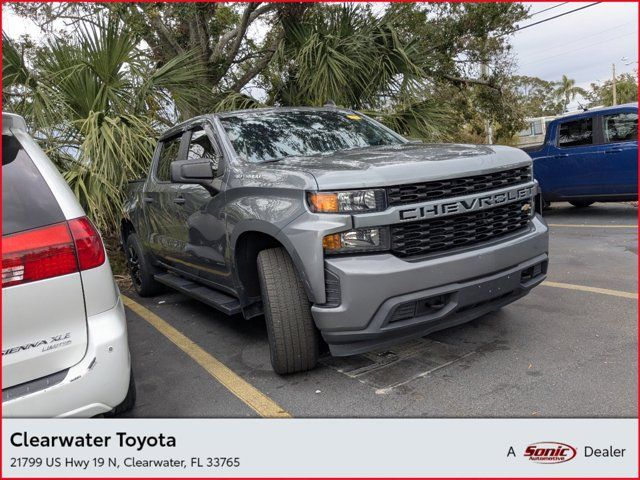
320	448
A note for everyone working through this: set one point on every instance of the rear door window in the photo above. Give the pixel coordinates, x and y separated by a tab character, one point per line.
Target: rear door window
621	127
27	201
576	133
168	154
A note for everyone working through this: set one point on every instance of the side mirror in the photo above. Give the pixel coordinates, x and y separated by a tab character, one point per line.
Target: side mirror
198	171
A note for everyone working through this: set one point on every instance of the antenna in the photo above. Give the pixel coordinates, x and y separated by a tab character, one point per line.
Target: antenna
330	103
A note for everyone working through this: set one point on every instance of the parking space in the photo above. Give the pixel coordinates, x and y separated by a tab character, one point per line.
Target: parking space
569	349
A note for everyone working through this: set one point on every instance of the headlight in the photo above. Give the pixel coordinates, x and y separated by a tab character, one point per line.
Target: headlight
351	201
360	240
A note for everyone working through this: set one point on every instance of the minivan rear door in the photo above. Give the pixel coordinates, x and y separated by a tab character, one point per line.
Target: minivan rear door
44	327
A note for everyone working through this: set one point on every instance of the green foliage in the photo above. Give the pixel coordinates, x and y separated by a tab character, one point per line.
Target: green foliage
537	97
344	54
601	94
412	67
94	104
566	89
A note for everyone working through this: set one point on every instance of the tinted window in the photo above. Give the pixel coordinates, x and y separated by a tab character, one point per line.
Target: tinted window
578	132
168	154
621	127
265	136
27	201
200	147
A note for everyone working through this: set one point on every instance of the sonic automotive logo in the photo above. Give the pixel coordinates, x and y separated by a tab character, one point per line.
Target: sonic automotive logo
550	452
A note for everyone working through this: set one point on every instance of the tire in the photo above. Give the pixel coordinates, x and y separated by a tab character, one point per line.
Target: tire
294	340
129	401
581	203
140	268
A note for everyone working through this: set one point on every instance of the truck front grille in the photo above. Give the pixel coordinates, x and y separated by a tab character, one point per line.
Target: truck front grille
440	234
454	187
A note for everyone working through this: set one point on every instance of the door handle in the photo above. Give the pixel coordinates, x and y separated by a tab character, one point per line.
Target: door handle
561	155
147	199
179	200
613	150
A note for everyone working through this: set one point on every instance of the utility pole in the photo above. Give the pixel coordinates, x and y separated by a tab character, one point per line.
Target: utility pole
487	123
613	89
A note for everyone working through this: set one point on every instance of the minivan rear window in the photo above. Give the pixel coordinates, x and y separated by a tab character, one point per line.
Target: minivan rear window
27	201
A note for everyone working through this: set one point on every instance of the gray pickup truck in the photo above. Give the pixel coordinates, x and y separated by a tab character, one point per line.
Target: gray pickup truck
331	225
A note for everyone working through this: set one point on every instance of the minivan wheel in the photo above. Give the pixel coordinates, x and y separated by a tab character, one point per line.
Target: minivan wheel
293	337
140	268
581	203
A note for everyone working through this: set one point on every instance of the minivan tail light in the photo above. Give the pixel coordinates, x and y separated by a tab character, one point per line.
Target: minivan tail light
51	251
89	247
38	254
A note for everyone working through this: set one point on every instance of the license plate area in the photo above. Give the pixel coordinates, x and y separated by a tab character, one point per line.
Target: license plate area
489	290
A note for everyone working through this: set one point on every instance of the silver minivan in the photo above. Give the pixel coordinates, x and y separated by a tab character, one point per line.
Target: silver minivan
64	333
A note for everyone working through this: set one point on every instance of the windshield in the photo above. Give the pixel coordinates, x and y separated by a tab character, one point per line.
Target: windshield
268	136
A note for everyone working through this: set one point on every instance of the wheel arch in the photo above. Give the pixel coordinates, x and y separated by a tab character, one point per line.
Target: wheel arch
247	244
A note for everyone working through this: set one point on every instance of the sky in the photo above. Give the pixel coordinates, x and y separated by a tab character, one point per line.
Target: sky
582	45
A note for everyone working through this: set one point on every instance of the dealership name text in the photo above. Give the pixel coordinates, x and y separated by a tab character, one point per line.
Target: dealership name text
122	439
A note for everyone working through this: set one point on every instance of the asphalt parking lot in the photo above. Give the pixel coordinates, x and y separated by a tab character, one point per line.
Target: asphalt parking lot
569	349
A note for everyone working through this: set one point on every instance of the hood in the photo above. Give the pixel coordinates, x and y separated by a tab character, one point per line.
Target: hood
402	164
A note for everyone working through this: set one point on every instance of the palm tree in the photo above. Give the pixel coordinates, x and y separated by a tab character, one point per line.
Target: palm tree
95	106
347	55
567	91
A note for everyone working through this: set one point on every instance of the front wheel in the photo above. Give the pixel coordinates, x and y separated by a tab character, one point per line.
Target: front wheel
293	337
581	203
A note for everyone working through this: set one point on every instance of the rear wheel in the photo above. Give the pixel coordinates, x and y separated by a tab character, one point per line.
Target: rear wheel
140	268
581	203
293	337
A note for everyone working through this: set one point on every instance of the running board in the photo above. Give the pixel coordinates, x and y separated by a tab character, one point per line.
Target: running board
214	298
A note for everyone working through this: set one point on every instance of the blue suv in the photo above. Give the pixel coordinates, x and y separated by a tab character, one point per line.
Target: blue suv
589	157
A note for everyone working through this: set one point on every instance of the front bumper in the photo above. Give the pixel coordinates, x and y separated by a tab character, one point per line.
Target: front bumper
379	292
95	385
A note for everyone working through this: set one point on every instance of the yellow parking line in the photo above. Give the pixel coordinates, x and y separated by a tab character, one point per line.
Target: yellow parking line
580	225
584	288
254	398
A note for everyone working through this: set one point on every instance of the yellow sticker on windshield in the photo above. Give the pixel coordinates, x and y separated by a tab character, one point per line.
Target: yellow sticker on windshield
354	117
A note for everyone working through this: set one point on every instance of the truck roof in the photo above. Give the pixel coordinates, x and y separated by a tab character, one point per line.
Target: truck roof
182	126
590	111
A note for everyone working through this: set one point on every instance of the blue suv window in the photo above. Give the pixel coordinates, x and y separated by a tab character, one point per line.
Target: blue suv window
576	133
621	127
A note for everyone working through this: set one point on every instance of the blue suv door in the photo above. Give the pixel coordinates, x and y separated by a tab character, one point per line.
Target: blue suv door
564	171
619	153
